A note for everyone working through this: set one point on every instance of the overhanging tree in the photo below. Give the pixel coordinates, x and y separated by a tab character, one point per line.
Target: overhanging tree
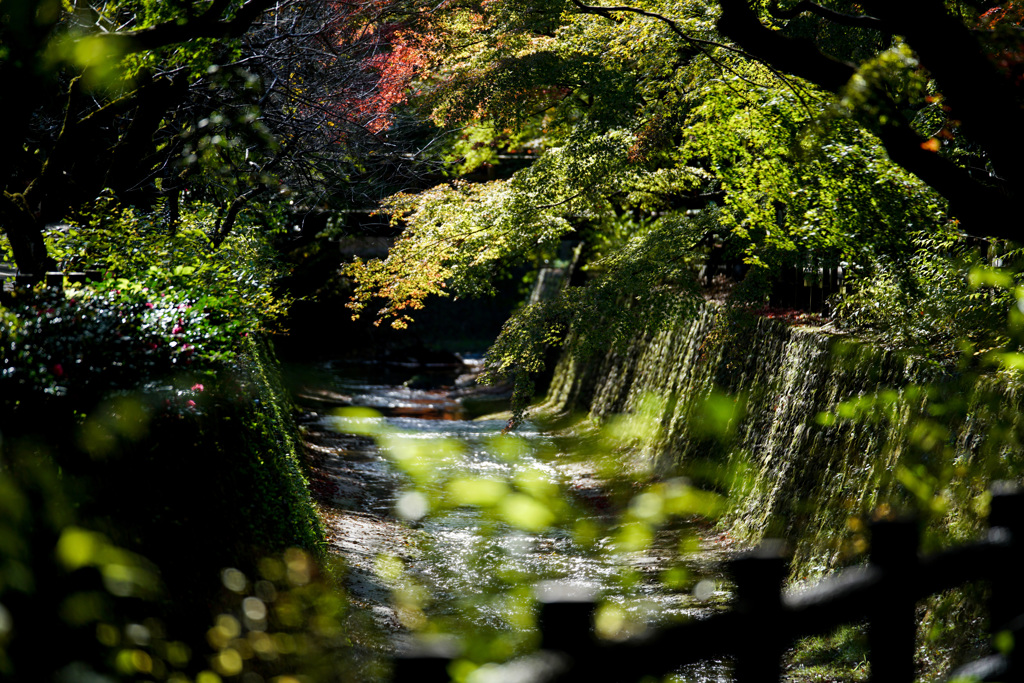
636	111
231	101
972	50
795	133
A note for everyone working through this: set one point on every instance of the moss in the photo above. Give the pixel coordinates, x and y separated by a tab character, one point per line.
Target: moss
840	656
278	470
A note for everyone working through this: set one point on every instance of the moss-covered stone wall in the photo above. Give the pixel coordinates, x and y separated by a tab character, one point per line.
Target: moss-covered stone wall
820	431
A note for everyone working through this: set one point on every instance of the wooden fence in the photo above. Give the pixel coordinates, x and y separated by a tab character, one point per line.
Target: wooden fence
11	285
807	288
803	288
764	621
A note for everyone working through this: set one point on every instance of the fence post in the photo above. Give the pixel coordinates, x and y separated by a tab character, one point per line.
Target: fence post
425	661
566	624
763	637
1006	611
892	628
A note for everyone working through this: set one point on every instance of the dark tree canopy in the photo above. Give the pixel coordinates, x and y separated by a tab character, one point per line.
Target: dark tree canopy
232	101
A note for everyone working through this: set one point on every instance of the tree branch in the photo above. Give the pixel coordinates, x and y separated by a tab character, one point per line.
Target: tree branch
980	97
801	58
853	20
227	222
22	229
981	208
209	24
564	201
700	42
671	23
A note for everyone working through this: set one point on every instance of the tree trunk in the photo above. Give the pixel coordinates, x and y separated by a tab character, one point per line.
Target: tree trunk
25	233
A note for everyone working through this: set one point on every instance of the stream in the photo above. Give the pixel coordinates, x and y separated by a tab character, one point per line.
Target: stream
413	561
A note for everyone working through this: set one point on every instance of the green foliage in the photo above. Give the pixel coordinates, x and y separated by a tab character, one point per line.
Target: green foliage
289	623
101	609
800	181
941	301
651	146
162	410
59	583
148	253
175	305
193	479
640	284
102	342
887	82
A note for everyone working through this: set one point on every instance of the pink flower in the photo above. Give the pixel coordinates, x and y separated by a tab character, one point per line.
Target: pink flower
190	403
197	387
178	329
148	305
58	370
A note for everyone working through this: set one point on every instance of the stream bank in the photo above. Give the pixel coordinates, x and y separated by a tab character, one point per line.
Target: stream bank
813	427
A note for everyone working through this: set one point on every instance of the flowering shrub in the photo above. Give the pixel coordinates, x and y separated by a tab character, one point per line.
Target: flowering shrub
172	306
93	342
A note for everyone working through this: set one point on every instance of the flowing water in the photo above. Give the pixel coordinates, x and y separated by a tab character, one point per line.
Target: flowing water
459	568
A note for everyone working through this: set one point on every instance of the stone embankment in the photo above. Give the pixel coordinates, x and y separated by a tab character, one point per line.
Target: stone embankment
811	431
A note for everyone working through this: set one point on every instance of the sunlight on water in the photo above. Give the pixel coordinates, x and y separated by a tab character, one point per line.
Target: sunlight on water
465	570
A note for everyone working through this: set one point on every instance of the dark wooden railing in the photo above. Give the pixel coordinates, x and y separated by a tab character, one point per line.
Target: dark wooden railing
11	285
802	288
807	288
764	620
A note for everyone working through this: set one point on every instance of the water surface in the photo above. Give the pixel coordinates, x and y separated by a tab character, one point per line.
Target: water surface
459	570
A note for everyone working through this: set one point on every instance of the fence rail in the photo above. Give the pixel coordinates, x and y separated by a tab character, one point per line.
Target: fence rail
764	620
804	288
11	285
